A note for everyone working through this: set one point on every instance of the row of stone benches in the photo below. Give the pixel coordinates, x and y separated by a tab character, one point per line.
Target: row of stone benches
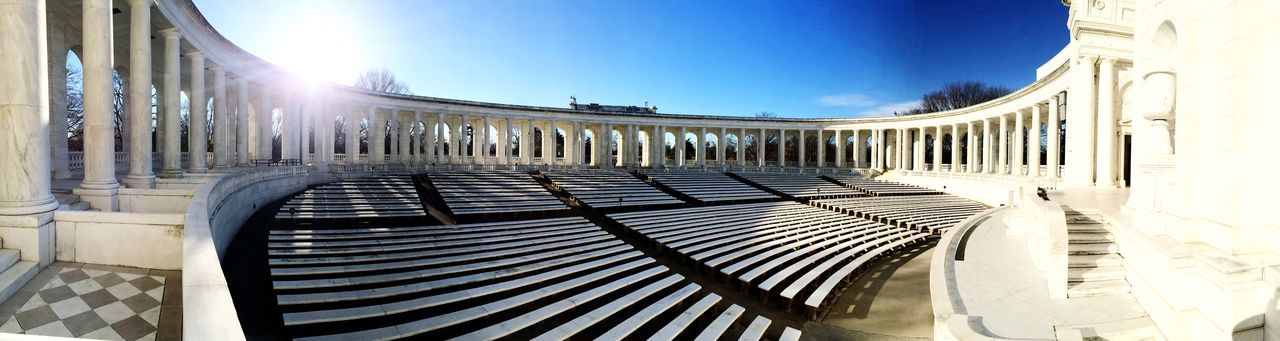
610	189
708	187
802	186
383	197
879	188
493	193
928	213
793	252
546	279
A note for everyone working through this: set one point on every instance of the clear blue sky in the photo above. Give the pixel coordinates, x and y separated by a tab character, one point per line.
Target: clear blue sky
795	58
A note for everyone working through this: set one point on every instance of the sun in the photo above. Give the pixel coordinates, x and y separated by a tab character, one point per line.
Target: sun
319	49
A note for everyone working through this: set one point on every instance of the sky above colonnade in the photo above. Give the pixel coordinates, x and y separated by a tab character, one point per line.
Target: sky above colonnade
851	58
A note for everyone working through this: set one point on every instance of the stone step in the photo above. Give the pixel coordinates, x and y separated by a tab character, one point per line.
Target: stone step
1084	219
1082	238
1091	248
1097	288
1089	261
8	257
1103	273
15	277
66	199
78	206
1087	228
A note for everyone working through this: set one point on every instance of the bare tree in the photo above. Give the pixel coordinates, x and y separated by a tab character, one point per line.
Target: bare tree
956	95
381	80
766	114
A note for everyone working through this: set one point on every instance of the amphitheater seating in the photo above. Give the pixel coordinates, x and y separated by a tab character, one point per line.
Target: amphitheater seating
803	186
878	188
540	279
383	197
927	213
610	189
475	193
708	187
784	250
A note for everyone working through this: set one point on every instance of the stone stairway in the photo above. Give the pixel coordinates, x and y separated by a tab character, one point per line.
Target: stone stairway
16	272
1094	264
70	202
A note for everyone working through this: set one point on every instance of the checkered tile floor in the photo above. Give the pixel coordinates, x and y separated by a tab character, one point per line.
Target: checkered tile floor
88	303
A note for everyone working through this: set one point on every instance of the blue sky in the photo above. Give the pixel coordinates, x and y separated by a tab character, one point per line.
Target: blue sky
795	58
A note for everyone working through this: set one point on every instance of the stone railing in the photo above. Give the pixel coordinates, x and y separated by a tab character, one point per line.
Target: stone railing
1046	231
217	210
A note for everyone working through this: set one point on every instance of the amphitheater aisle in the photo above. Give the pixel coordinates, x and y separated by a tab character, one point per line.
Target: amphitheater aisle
889	301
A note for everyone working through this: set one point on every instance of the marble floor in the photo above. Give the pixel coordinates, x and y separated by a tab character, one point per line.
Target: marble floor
997	282
97	302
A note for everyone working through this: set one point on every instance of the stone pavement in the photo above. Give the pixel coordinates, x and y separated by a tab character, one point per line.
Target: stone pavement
997	282
98	302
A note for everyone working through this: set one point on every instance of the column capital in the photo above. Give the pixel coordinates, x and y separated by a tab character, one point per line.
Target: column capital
140	3
195	55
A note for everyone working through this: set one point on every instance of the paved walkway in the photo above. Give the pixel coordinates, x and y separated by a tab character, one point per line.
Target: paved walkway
97	302
997	282
890	299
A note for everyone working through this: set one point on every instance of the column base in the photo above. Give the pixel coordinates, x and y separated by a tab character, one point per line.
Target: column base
171	173
105	200
140	181
32	235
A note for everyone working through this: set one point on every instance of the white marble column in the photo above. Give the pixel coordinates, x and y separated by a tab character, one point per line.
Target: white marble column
955	148
526	143
1106	147
463	139
760	146
1081	122
972	152
782	148
1053	143
242	122
1003	155
171	107
266	133
548	144
139	104
220	118
377	137
987	147
840	147
351	148
99	186
57	46
404	133
700	148
1019	141
917	151
822	150
800	155
437	140
937	149
24	107
1033	145
507	145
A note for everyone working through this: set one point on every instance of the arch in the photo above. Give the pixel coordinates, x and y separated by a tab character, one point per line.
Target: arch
669	145
829	145
771	148
792	146
851	156
690	146
731	143
948	144
710	143
615	147
443	140
750	149
560	145
536	146
588	147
